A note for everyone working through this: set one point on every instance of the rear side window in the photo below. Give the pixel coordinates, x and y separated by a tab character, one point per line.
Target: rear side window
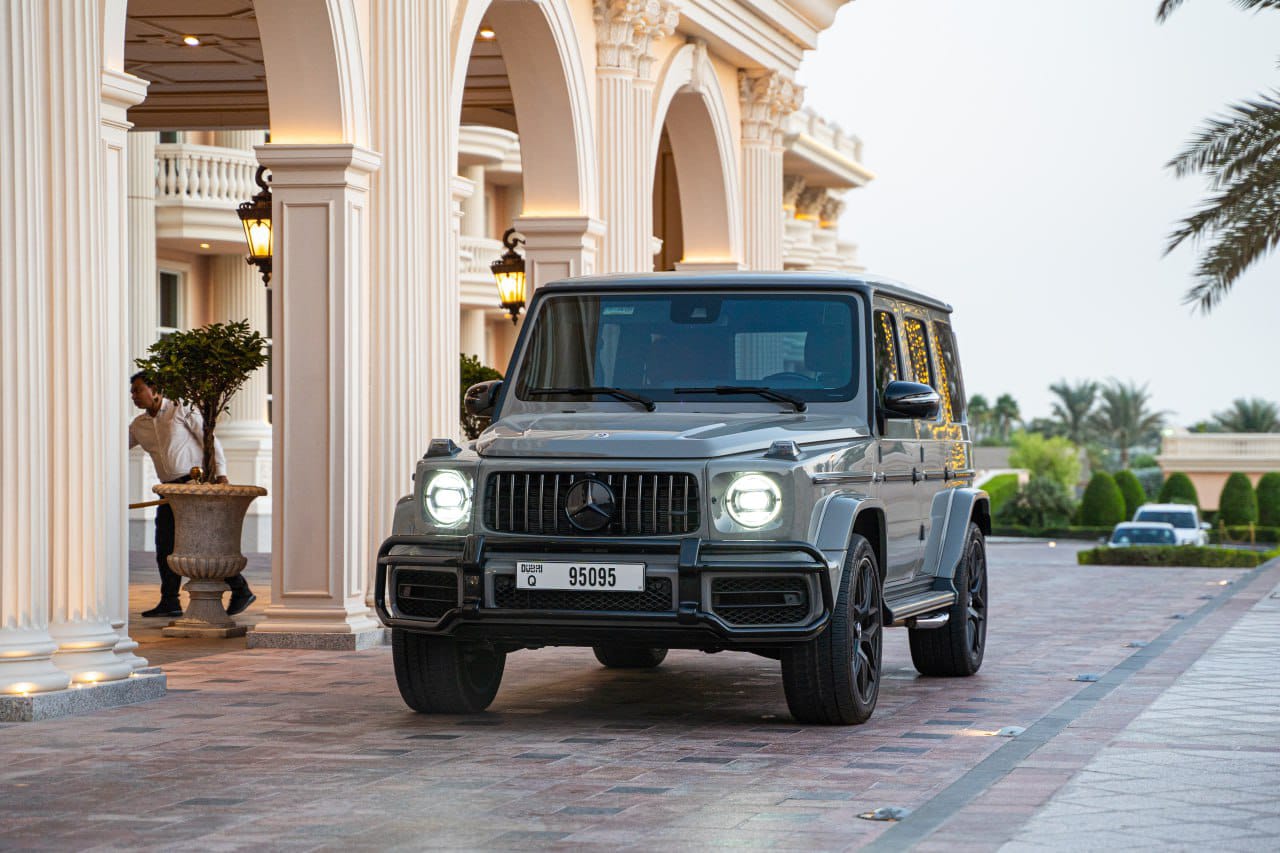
888	364
950	385
918	351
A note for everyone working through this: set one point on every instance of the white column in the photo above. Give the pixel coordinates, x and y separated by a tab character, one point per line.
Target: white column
463	190
119	92
558	247
475	214
617	39
414	260
26	648
241	140
236	293
83	318
144	307
767	97
658	20
472	334
320	448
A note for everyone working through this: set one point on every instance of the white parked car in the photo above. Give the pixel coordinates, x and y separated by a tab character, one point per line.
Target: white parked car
1143	533
1185	519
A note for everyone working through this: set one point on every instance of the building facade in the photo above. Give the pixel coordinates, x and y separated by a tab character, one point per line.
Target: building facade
402	138
1209	458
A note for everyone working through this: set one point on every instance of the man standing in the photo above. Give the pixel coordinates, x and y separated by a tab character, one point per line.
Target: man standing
173	435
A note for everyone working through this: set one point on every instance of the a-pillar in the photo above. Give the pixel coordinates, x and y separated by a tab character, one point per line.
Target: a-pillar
558	247
83	317
237	294
26	647
767	97
321	400
119	92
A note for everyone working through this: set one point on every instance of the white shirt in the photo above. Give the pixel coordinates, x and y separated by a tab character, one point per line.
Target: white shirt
175	440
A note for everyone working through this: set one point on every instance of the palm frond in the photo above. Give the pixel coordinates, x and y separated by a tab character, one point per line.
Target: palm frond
1234	142
1167	7
1235	249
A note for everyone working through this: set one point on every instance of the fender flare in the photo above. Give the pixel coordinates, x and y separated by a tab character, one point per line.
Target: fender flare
951	512
834	519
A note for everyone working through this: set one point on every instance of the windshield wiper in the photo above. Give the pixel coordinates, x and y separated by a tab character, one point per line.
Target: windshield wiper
767	393
581	390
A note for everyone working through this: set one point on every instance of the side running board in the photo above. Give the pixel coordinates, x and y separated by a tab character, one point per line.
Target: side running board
919	605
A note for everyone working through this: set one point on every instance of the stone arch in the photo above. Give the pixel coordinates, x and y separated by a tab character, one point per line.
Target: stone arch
548	79
690	106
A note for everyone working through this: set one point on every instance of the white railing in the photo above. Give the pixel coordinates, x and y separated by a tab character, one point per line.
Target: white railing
204	175
825	133
476	253
1228	447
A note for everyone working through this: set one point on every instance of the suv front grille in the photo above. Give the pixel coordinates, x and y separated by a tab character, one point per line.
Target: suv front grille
766	600
427	595
663	504
656	597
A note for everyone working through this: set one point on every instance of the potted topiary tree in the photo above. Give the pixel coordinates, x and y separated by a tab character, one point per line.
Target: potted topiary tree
203	368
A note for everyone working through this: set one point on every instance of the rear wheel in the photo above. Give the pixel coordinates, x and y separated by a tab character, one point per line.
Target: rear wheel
834	679
438	675
956	649
629	657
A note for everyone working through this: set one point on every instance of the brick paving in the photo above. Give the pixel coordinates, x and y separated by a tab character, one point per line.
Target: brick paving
314	750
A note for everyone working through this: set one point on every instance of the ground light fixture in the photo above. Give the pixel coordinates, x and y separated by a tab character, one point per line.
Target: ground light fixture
255	216
508	272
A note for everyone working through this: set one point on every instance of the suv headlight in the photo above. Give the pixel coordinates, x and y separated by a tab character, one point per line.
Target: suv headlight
446	498
753	500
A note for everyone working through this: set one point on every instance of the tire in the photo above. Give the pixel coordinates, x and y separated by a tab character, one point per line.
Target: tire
956	649
834	679
437	675
629	657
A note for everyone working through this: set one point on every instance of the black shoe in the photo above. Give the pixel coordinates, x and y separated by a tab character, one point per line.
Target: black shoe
162	609
240	605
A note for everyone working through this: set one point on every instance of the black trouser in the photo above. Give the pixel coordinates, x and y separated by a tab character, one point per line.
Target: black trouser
171	581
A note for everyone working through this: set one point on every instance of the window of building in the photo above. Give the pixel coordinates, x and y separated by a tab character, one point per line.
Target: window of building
168	136
951	387
171	297
888	364
918	351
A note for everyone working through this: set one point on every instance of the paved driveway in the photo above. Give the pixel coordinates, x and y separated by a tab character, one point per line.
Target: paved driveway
303	750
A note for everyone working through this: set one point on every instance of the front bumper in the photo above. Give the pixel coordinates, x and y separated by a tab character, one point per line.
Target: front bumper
478	563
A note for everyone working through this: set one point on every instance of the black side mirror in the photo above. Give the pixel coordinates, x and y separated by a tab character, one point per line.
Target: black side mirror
911	400
482	397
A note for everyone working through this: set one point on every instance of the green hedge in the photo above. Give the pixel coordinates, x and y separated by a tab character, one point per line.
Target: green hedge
1131	491
1178	489
1000	488
1269	500
1261	534
1102	503
1089	534
1239	503
1171	555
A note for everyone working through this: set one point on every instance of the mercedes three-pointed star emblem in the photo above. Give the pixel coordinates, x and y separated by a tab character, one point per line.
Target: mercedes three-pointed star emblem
589	505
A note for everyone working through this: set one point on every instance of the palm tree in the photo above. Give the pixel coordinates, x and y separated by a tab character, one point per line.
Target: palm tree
1253	415
1124	417
1239	153
1005	414
979	414
1074	406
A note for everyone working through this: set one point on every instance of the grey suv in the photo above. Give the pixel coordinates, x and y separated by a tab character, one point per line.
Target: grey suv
770	463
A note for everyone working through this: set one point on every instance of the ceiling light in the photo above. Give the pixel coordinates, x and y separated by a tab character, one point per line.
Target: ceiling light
191	41
487	33
204	245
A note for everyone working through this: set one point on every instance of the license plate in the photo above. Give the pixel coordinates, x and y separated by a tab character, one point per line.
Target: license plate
619	577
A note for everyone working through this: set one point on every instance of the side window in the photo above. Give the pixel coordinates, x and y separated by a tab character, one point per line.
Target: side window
918	351
888	364
950	385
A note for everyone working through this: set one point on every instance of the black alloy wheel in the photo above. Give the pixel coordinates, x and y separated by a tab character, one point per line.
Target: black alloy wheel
868	631
957	648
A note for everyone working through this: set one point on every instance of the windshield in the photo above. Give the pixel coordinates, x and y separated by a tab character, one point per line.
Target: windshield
691	346
1180	519
1143	536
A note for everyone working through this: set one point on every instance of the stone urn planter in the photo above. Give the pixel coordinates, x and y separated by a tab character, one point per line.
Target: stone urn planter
208	519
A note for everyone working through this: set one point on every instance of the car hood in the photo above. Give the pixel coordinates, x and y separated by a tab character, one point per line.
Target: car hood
695	435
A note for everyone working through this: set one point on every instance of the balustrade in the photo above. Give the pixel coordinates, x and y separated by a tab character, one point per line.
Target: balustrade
204	175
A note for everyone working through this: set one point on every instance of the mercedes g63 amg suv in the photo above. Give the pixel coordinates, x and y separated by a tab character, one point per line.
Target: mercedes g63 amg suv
775	463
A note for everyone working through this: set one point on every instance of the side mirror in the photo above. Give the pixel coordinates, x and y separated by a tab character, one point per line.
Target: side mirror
481	398
911	400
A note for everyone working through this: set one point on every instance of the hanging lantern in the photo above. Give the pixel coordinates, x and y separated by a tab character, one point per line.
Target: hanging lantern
508	272
255	216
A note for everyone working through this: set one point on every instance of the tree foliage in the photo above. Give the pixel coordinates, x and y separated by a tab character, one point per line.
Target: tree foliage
1043	503
1074	407
1102	504
1132	491
1178	489
1054	458
1252	415
1269	499
473	372
1126	418
1238	503
204	368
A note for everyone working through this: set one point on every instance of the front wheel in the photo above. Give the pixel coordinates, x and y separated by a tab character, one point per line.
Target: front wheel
834	679
956	649
438	675
629	657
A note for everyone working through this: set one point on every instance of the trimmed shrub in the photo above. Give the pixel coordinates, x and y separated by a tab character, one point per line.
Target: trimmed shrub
1171	555
1151	479
1269	500
1043	503
472	372
1102	504
1056	458
1179	489
1000	488
1252	534
1131	490
1238	503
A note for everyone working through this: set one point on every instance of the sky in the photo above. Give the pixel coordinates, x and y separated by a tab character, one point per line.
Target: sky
1019	149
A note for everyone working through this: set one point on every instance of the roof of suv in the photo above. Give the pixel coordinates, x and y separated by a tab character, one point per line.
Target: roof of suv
736	279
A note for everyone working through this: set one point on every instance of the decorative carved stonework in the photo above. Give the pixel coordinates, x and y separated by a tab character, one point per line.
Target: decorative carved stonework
792	186
657	21
625	30
767	98
832	207
809	205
